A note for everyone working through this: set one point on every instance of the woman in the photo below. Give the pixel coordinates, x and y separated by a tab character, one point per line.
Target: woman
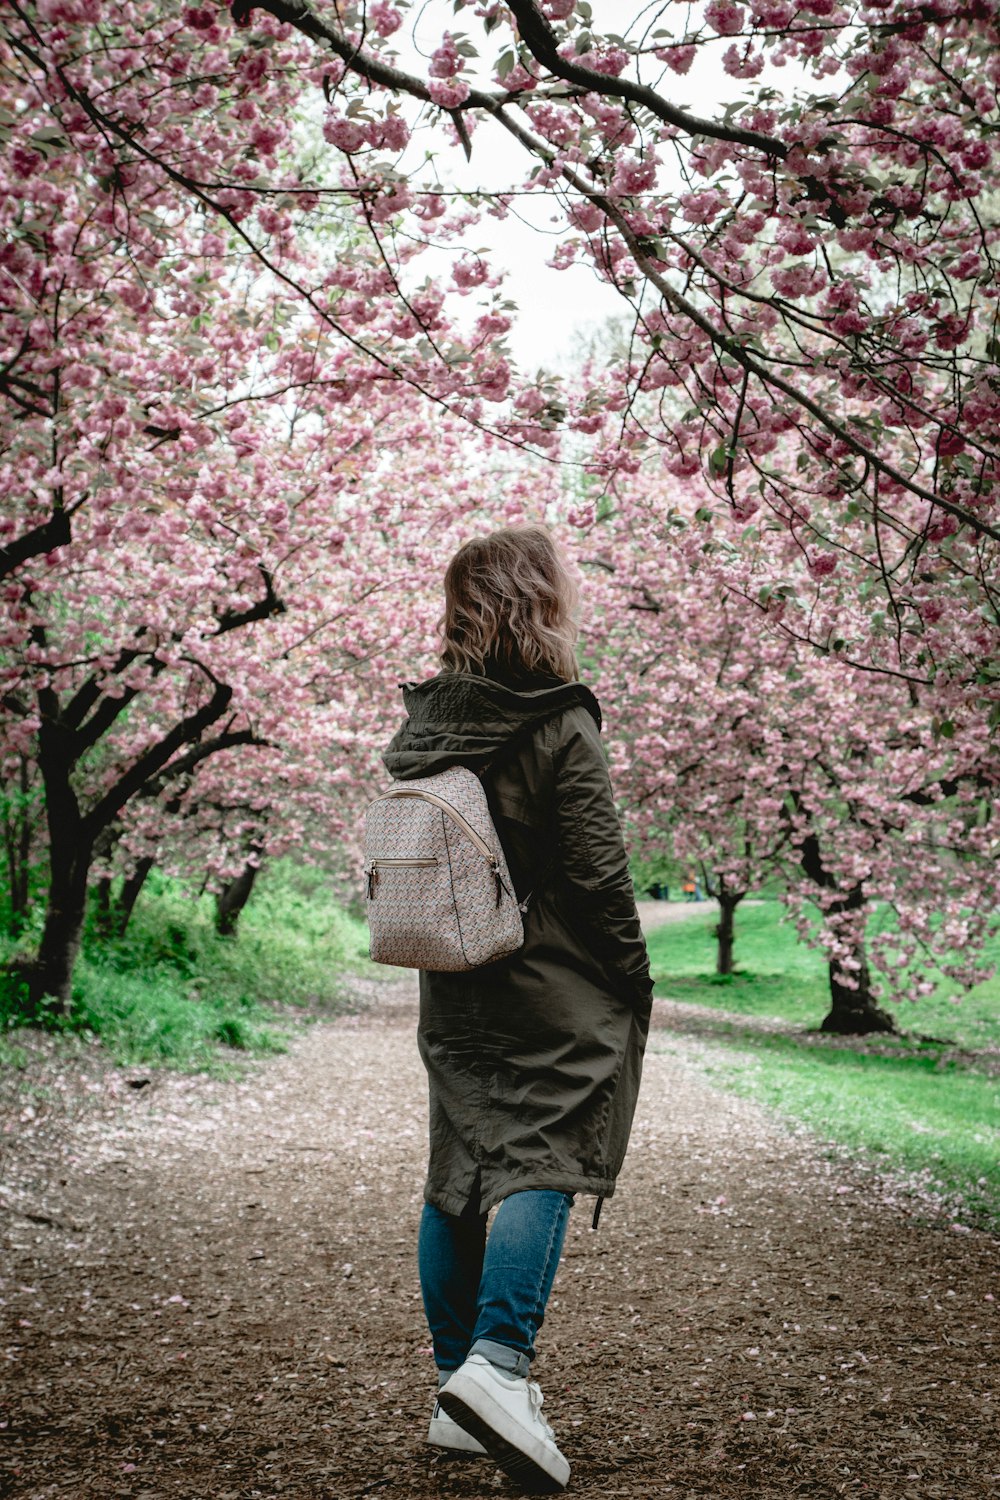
533	1061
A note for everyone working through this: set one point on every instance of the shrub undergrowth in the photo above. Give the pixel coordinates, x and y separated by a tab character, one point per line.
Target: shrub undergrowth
173	991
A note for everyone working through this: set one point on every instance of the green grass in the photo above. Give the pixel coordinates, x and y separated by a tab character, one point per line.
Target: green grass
908	1112
920	1107
172	991
778	976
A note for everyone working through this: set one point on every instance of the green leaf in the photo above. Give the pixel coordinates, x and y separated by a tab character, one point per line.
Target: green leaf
718	460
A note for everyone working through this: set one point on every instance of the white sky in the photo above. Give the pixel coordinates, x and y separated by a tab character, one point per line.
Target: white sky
554	307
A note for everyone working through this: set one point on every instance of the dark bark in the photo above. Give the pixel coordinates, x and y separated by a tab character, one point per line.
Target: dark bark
725	931
129	893
18	838
50	975
53	533
114	911
854	1012
72	837
104	904
65	733
70	856
231	900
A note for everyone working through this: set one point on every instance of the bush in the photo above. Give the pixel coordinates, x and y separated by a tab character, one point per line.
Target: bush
172	990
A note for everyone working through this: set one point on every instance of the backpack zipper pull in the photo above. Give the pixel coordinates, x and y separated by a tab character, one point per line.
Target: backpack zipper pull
372	873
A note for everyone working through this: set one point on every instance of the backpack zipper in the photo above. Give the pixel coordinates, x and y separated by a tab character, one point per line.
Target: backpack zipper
372	870
378	862
454	814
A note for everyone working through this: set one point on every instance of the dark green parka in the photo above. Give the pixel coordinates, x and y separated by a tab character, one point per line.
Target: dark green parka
534	1061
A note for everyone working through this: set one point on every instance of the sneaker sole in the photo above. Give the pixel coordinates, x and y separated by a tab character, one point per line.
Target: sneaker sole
443	1437
519	1466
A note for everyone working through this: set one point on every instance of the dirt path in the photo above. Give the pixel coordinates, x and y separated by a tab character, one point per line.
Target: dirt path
660	913
209	1292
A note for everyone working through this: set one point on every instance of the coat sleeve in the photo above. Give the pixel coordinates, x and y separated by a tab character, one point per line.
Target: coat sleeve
593	859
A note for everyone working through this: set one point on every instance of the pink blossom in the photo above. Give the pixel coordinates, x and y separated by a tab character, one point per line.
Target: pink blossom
347	135
634	176
395	200
798	281
384	17
678	57
702	208
450	94
199	18
390	133
267	137
725	17
822	564
743	62
794	238
968	266
949	443
429	206
586	215
470	273
517	79
445	61
608	60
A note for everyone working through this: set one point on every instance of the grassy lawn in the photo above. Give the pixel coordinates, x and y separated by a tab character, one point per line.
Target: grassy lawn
925	1107
779	976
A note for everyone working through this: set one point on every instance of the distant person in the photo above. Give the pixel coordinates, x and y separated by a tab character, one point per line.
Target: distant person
534	1061
689	889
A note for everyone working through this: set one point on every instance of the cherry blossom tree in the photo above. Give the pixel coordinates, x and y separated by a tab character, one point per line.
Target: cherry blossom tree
760	757
239	428
211	485
812	275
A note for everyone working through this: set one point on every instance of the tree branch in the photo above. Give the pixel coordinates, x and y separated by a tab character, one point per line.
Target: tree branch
156	758
55	532
233	619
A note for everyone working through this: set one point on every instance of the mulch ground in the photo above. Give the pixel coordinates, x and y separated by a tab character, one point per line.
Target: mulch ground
209	1291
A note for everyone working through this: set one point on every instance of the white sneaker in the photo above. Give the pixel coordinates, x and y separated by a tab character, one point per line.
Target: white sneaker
445	1433
504	1412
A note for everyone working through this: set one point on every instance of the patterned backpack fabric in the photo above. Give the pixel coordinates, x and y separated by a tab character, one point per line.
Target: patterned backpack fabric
439	894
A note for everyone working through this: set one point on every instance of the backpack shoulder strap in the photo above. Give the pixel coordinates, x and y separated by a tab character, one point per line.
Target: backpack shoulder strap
516	741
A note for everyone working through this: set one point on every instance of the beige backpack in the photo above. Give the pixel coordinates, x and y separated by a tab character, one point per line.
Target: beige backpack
439	894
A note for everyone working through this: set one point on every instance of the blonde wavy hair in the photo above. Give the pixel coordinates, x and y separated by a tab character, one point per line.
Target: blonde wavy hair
509	605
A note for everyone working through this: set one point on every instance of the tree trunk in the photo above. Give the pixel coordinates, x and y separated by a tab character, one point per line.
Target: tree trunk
104	920
51	972
129	894
18	832
231	900
854	1012
71	855
725	932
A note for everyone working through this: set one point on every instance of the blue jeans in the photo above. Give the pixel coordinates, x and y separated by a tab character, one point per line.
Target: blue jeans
487	1294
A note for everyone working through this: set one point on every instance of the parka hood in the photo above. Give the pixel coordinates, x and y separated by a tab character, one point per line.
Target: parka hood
459	719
